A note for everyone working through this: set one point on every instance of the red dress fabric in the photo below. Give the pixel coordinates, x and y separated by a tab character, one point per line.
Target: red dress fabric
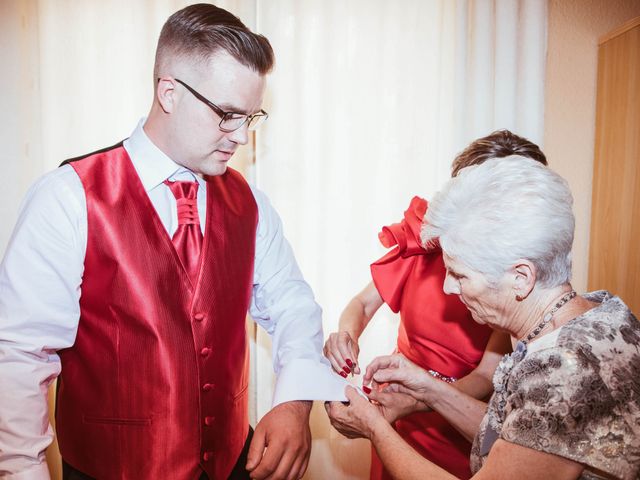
436	332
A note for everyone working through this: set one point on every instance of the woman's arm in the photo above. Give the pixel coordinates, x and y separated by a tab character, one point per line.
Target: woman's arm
464	409
399	459
508	460
363	419
459	403
505	461
479	382
457	409
343	344
461	410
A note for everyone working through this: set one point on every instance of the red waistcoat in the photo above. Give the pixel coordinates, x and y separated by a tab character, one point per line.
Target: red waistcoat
155	385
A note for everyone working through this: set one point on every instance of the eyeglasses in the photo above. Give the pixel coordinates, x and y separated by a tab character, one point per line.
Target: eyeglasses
229	121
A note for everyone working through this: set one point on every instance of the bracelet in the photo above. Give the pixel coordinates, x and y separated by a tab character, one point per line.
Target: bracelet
439	376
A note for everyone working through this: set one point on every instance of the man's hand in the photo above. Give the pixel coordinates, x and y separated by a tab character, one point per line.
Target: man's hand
281	444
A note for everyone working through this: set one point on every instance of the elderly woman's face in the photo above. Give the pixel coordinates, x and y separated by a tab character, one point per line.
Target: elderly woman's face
488	304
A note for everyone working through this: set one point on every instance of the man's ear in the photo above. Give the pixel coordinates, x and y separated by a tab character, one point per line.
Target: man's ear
166	94
524	275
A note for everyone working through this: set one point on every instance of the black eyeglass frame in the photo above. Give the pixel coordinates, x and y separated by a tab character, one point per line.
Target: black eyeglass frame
225	116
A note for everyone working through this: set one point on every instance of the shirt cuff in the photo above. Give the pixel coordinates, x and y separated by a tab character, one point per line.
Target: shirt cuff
307	379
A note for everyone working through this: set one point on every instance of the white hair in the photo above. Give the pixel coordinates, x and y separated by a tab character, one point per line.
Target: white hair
505	209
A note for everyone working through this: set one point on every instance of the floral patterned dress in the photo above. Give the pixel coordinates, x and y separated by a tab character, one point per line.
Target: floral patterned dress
574	393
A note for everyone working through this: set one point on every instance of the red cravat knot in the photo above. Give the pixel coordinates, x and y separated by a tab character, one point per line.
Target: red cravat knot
186	200
187	238
188	211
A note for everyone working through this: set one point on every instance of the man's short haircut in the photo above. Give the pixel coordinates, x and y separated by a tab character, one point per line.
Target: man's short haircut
199	31
499	144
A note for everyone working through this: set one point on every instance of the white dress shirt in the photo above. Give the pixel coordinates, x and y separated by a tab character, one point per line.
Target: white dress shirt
40	288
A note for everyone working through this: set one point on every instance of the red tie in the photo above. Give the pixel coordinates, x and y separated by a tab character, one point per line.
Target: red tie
188	237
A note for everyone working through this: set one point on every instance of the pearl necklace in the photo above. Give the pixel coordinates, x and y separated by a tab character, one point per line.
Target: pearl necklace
549	316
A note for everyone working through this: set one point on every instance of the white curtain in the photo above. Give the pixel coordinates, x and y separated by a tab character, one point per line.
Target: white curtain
369	103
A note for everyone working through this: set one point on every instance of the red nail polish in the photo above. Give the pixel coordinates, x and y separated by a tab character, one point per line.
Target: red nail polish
366	390
342	374
350	363
346	369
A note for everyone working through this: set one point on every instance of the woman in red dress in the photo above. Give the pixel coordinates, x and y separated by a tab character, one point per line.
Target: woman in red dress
436	330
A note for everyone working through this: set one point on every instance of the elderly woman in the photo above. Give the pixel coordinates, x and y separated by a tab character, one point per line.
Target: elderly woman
442	339
567	401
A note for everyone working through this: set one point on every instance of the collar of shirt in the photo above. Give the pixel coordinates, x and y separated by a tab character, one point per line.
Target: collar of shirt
152	165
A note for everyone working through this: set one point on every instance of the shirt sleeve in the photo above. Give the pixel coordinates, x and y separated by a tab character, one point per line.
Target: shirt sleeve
40	278
559	404
284	305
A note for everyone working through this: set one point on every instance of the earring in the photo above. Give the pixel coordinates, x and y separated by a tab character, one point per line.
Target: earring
519	298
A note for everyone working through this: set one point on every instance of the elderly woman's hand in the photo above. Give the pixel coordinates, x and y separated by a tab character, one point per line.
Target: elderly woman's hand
400	374
395	405
359	418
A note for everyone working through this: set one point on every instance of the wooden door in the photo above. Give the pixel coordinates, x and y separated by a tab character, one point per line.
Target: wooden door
614	255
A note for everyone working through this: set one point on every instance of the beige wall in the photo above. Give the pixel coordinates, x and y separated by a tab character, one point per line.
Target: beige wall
570	101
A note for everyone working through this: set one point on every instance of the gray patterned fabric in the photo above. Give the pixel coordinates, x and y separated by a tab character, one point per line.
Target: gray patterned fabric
578	397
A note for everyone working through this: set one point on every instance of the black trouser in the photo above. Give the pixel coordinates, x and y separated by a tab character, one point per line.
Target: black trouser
238	472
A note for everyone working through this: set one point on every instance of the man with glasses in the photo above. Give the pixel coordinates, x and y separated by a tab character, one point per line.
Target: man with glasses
130	273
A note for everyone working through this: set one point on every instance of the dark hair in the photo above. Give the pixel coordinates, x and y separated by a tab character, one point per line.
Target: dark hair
200	30
500	143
